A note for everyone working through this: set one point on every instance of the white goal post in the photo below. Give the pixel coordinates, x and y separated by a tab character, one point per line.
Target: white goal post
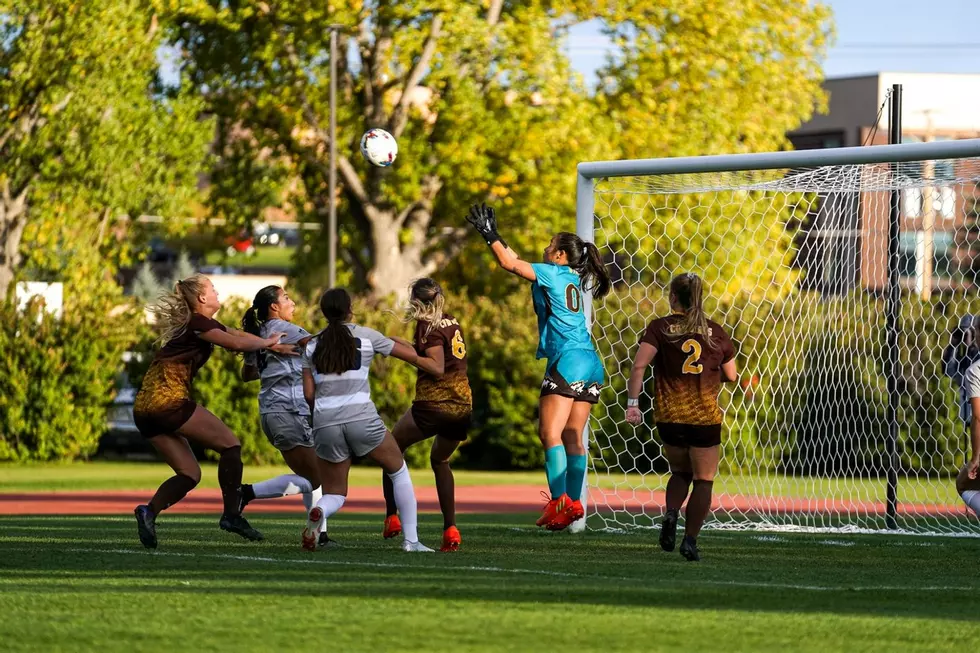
842	275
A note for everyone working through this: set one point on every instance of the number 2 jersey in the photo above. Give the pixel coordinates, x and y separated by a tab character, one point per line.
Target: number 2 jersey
557	294
451	392
687	372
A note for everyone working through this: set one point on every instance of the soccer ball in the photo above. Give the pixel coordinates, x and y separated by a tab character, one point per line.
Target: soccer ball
379	147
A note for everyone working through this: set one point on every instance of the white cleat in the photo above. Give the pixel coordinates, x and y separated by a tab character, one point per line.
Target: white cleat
415	547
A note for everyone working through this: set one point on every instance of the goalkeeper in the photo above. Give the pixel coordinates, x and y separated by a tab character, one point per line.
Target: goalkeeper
574	373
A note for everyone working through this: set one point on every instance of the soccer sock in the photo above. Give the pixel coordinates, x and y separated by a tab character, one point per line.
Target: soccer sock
281	486
310	499
972	499
697	507
556	468
329	504
401	488
230	479
390	507
446	489
575	476
170	492
677	488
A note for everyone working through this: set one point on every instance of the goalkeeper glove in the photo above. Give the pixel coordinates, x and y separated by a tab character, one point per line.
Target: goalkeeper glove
484	220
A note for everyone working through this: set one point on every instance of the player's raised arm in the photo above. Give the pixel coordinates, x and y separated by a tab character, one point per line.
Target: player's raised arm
484	220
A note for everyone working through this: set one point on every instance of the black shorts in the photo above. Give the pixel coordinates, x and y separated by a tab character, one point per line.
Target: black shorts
450	422
689	435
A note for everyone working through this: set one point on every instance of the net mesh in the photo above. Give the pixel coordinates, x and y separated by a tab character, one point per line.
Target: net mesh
795	264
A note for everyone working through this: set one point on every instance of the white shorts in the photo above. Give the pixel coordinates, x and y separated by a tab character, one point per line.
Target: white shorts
339	442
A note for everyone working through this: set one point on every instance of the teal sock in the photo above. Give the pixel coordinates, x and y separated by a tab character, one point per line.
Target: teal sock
576	476
555	466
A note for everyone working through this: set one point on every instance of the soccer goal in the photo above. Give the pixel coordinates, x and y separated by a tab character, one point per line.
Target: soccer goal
842	275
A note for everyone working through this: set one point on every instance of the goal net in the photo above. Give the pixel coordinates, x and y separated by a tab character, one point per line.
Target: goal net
846	415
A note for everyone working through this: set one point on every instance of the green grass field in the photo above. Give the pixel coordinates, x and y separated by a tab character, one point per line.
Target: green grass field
85	584
146	476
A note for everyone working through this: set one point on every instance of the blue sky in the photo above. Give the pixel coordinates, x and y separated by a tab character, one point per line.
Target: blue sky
928	36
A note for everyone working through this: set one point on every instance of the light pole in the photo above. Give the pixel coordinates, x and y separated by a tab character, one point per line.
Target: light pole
332	182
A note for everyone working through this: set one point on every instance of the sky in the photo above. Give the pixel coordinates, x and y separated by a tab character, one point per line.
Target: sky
909	36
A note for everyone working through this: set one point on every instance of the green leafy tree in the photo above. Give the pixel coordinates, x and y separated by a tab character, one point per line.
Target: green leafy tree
485	105
86	133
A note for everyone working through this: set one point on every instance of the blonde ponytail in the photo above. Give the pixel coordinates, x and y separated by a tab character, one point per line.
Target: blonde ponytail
688	289
172	310
426	302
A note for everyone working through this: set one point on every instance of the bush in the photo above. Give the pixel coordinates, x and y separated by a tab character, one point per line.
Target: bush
57	379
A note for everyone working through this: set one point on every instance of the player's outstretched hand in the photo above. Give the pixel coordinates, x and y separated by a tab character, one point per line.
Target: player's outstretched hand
972	468
633	415
483	219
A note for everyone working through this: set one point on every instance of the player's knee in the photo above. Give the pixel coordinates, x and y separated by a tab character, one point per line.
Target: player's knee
685	476
193	476
705	483
437	463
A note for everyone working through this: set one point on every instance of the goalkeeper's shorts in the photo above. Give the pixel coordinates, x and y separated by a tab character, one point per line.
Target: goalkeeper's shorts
577	374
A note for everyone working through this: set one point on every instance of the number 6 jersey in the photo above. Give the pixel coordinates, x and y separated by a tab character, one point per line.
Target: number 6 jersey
454	387
687	371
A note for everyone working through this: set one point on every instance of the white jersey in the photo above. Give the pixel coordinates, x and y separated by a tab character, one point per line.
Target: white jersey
345	398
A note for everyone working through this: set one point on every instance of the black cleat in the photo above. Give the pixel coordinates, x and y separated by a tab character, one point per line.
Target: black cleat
324	542
689	549
146	524
240	525
668	531
246	494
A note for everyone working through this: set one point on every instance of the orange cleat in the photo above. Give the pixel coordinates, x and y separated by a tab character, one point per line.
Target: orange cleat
393	527
554	508
310	532
450	540
573	511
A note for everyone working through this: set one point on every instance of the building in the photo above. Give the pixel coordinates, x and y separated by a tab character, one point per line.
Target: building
844	242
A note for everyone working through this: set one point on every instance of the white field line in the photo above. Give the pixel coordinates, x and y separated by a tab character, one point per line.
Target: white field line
532	572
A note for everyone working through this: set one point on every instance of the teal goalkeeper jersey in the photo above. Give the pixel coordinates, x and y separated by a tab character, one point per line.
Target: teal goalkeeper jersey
557	294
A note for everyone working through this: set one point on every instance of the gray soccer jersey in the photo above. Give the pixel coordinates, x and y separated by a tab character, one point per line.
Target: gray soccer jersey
345	398
971	388
282	377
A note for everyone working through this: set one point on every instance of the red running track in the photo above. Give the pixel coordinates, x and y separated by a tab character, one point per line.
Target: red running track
470	499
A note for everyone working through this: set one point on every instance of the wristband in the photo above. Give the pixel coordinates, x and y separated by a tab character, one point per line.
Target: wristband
632	403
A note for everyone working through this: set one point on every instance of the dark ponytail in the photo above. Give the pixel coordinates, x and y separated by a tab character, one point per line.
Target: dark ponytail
336	348
585	259
258	313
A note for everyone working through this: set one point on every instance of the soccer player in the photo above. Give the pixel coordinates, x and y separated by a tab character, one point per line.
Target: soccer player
166	415
691	356
574	374
968	480
443	404
346	423
284	413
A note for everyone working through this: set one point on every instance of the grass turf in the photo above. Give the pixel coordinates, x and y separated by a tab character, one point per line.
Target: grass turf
147	476
84	583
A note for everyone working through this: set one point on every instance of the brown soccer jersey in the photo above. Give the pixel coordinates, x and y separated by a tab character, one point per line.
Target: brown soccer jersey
453	389
164	402
687	372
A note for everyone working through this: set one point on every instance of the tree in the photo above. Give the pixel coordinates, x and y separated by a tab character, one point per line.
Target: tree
86	133
485	105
